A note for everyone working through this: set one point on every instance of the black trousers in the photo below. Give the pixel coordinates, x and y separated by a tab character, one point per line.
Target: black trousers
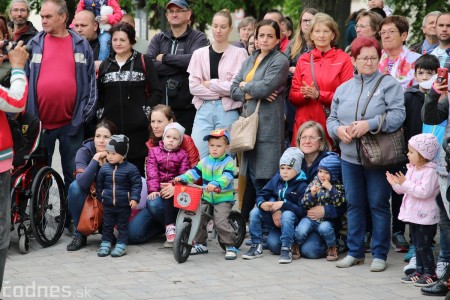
422	236
119	216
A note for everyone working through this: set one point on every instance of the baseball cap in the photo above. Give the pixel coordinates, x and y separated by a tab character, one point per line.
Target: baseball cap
218	133
179	3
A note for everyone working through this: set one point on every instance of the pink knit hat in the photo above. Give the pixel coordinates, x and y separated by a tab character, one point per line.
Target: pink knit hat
426	144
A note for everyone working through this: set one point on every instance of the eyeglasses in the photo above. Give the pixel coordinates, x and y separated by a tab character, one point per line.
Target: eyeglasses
389	32
310	138
306	21
16	10
366	59
361	26
176	12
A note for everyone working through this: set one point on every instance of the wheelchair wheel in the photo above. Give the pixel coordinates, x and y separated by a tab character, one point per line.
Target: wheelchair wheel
181	247
47	207
24	244
238	223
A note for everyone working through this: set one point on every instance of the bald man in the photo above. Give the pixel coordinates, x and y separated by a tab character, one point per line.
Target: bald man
141	44
86	27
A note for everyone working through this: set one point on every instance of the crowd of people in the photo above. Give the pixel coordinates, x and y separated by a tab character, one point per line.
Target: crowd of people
134	116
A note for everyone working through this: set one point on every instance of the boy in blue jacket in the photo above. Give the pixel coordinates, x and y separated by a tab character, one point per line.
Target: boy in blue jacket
119	187
283	193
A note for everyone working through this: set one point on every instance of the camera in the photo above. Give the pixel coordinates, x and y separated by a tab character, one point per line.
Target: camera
8	46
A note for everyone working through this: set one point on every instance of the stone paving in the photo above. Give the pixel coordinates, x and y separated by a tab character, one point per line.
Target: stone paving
150	272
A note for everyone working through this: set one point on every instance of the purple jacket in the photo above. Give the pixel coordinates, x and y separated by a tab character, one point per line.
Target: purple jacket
164	165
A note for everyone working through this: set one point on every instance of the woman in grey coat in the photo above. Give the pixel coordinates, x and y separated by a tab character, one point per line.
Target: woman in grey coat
263	76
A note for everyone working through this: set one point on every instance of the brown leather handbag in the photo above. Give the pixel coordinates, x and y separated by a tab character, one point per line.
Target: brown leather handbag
91	218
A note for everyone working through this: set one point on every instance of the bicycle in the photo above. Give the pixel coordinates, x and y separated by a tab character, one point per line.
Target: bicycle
187	197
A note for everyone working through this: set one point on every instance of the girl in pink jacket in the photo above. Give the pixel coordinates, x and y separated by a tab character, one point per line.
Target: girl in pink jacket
420	186
164	163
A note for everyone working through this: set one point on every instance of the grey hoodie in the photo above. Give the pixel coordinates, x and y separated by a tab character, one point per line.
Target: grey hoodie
388	99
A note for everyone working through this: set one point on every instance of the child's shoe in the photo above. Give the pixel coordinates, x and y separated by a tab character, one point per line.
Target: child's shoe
441	266
295	252
411	278
231	253
285	256
426	280
199	249
105	249
119	250
255	251
411	253
410	267
170	236
332	253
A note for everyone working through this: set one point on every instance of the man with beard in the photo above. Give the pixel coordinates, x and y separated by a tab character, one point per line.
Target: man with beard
23	30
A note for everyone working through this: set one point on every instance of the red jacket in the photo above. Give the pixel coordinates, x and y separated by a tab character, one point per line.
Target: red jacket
331	69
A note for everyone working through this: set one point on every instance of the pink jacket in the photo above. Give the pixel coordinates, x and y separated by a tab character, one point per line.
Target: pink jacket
113	19
420	188
199	71
163	165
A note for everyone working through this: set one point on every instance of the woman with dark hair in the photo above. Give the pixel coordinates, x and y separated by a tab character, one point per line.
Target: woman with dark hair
364	186
88	161
128	86
262	77
312	92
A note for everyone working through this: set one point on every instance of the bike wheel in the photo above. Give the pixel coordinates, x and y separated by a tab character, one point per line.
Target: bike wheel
47	207
238	223
181	247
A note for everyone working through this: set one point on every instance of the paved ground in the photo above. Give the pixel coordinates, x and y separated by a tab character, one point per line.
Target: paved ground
150	272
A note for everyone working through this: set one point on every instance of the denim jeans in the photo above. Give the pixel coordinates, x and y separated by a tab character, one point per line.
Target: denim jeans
68	147
210	116
5	220
148	223
75	201
313	248
324	228
260	222
422	236
104	39
444	232
364	186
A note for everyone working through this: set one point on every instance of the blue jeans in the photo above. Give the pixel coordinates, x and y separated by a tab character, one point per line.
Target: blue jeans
313	248
75	201
444	232
68	147
367	186
210	116
148	223
306	226
103	39
261	222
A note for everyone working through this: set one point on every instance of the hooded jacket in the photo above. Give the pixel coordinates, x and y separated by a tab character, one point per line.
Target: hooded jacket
164	165
414	100
27	35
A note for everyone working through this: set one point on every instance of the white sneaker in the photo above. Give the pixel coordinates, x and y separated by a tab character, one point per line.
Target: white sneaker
410	267
199	249
440	268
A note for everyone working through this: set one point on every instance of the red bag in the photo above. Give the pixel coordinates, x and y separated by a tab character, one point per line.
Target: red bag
91	218
187	197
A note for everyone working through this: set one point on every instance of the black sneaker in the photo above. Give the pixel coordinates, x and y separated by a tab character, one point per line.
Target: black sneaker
426	280
255	251
77	243
399	242
411	278
285	256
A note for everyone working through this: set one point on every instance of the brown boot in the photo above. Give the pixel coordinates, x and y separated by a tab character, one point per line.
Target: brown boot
332	253
295	252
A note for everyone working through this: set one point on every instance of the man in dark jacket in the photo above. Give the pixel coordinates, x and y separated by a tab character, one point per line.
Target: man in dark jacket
429	31
23	30
171	52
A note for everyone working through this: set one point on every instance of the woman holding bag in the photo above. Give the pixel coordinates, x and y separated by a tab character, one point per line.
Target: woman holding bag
318	73
262	79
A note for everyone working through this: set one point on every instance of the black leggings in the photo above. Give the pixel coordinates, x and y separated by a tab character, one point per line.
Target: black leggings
422	236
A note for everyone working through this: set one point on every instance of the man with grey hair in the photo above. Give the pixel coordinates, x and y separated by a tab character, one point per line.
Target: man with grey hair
62	83
429	30
23	30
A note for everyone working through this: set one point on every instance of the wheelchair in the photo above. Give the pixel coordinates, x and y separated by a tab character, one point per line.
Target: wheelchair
38	196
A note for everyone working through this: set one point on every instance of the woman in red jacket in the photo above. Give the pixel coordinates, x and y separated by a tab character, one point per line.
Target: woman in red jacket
312	95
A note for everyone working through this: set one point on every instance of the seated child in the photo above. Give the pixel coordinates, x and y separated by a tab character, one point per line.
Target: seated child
287	187
419	208
119	187
326	189
95	6
216	171
164	162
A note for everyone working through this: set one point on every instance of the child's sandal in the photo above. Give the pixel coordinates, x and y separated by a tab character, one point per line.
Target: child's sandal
105	249
119	250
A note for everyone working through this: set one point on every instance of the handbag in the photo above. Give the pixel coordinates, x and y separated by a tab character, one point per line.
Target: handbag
243	132
311	64
381	150
91	218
